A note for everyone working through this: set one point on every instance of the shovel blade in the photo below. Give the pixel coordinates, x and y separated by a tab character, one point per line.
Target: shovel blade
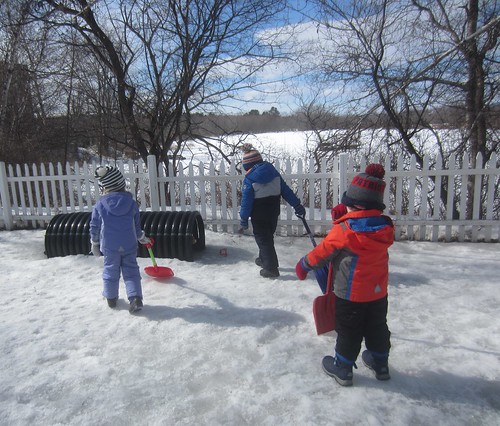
159	271
324	313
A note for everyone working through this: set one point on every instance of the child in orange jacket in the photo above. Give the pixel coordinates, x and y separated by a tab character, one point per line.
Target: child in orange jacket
357	246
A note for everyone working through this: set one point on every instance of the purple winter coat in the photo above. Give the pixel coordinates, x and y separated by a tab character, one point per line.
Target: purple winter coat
115	222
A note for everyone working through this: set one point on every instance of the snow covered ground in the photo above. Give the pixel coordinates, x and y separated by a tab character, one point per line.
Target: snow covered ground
300	144
219	345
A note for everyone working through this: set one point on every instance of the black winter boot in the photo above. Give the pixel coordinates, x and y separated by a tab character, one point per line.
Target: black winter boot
341	371
135	305
269	274
378	364
112	302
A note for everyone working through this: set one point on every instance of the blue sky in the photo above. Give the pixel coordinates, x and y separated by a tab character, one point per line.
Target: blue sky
283	80
404	43
286	87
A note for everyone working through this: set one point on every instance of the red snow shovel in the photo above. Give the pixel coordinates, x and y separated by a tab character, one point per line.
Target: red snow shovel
155	270
324	307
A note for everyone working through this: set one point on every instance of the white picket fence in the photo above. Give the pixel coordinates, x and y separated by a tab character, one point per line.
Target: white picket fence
30	196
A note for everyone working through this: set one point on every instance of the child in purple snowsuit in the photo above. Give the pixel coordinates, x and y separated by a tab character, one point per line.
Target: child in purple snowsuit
115	229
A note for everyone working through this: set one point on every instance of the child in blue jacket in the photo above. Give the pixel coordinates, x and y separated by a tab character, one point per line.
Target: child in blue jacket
115	229
261	195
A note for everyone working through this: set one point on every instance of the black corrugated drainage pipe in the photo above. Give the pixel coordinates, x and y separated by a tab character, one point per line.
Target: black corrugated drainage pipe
176	234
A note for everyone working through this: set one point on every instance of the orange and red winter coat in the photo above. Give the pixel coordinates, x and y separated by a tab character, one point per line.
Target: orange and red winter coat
358	246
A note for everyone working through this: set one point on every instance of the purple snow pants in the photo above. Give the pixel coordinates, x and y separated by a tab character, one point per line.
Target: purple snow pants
126	263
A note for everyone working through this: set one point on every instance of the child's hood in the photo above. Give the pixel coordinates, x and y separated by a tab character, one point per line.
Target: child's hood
118	203
370	227
262	173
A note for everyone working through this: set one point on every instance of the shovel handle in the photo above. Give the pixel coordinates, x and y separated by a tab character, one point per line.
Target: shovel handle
150	251
151	255
308	230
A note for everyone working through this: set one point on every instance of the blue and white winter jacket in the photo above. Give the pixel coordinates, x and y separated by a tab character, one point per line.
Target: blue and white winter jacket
115	222
260	195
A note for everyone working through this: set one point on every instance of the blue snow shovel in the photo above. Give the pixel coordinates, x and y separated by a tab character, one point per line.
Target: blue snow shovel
321	274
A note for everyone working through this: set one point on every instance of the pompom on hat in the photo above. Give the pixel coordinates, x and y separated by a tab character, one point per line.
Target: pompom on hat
366	191
110	178
250	156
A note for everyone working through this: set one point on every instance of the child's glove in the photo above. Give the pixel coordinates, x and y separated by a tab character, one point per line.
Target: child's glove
143	239
301	269
338	211
96	250
243	225
300	210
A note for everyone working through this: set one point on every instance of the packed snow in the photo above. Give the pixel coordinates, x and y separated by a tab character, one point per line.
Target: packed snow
219	345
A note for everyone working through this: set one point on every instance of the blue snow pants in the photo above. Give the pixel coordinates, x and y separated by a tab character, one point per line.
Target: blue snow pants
125	263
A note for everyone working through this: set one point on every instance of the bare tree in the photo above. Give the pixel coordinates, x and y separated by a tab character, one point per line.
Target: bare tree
408	58
474	35
31	89
476	54
13	77
328	136
168	58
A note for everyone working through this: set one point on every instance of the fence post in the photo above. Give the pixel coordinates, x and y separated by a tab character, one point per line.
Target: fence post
153	183
342	174
4	197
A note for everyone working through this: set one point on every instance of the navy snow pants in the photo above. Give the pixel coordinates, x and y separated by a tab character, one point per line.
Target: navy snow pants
358	320
263	231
